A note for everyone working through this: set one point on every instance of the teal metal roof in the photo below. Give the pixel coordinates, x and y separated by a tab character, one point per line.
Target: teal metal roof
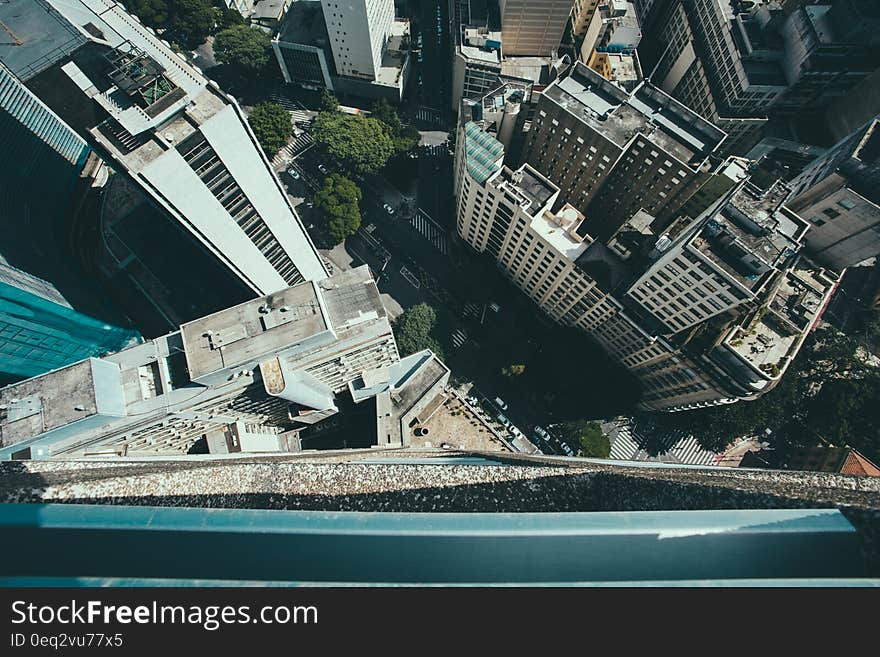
483	152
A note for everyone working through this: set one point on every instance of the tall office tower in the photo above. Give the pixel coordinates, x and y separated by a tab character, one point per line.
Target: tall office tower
581	13
706	306
160	123
736	63
613	28
351	47
247	377
358	31
839	194
533	27
40	331
612	152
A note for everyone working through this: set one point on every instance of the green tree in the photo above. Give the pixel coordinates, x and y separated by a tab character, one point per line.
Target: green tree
359	144
585	438
830	394
413	331
226	16
272	125
338	203
242	47
189	22
328	102
404	137
151	12
513	370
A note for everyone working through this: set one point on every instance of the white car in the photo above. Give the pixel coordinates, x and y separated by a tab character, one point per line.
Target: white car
500	403
323	169
293	173
388	209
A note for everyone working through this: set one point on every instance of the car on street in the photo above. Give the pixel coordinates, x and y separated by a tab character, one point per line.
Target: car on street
293	173
500	403
388	209
323	169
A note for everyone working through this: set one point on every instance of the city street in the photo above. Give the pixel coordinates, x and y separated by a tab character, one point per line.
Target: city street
483	326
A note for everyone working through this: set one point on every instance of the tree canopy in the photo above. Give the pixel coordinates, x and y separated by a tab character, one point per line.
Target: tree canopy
359	144
830	393
186	22
513	370
328	102
585	438
404	137
338	203
272	125
413	331
242	46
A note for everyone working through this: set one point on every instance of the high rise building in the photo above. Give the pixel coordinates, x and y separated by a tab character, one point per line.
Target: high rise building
598	142
700	294
358	30
253	374
581	13
353	46
40	331
533	27
160	123
736	63
839	194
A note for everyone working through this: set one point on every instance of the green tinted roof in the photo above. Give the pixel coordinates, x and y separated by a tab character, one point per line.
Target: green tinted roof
484	153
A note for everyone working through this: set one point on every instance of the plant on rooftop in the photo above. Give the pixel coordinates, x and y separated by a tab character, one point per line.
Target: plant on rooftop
338	203
272	125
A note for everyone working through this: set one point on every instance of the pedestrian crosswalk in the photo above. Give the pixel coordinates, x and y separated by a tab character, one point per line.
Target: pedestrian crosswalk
288	153
459	337
430	230
679	448
428	115
472	310
287	103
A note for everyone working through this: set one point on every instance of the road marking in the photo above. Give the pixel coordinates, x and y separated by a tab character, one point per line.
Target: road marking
407	274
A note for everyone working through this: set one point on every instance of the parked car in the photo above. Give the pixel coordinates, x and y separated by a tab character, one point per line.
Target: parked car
293	173
323	169
541	432
388	209
500	403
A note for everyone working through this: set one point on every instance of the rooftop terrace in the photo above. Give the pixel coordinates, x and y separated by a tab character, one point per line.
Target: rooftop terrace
769	341
752	235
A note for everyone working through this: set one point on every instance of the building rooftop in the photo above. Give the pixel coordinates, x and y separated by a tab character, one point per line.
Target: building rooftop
481	54
483	153
753	235
560	231
295	319
35	36
531	190
620	116
46	402
769	340
304	24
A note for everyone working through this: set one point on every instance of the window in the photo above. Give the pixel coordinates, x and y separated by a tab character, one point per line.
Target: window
831	213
